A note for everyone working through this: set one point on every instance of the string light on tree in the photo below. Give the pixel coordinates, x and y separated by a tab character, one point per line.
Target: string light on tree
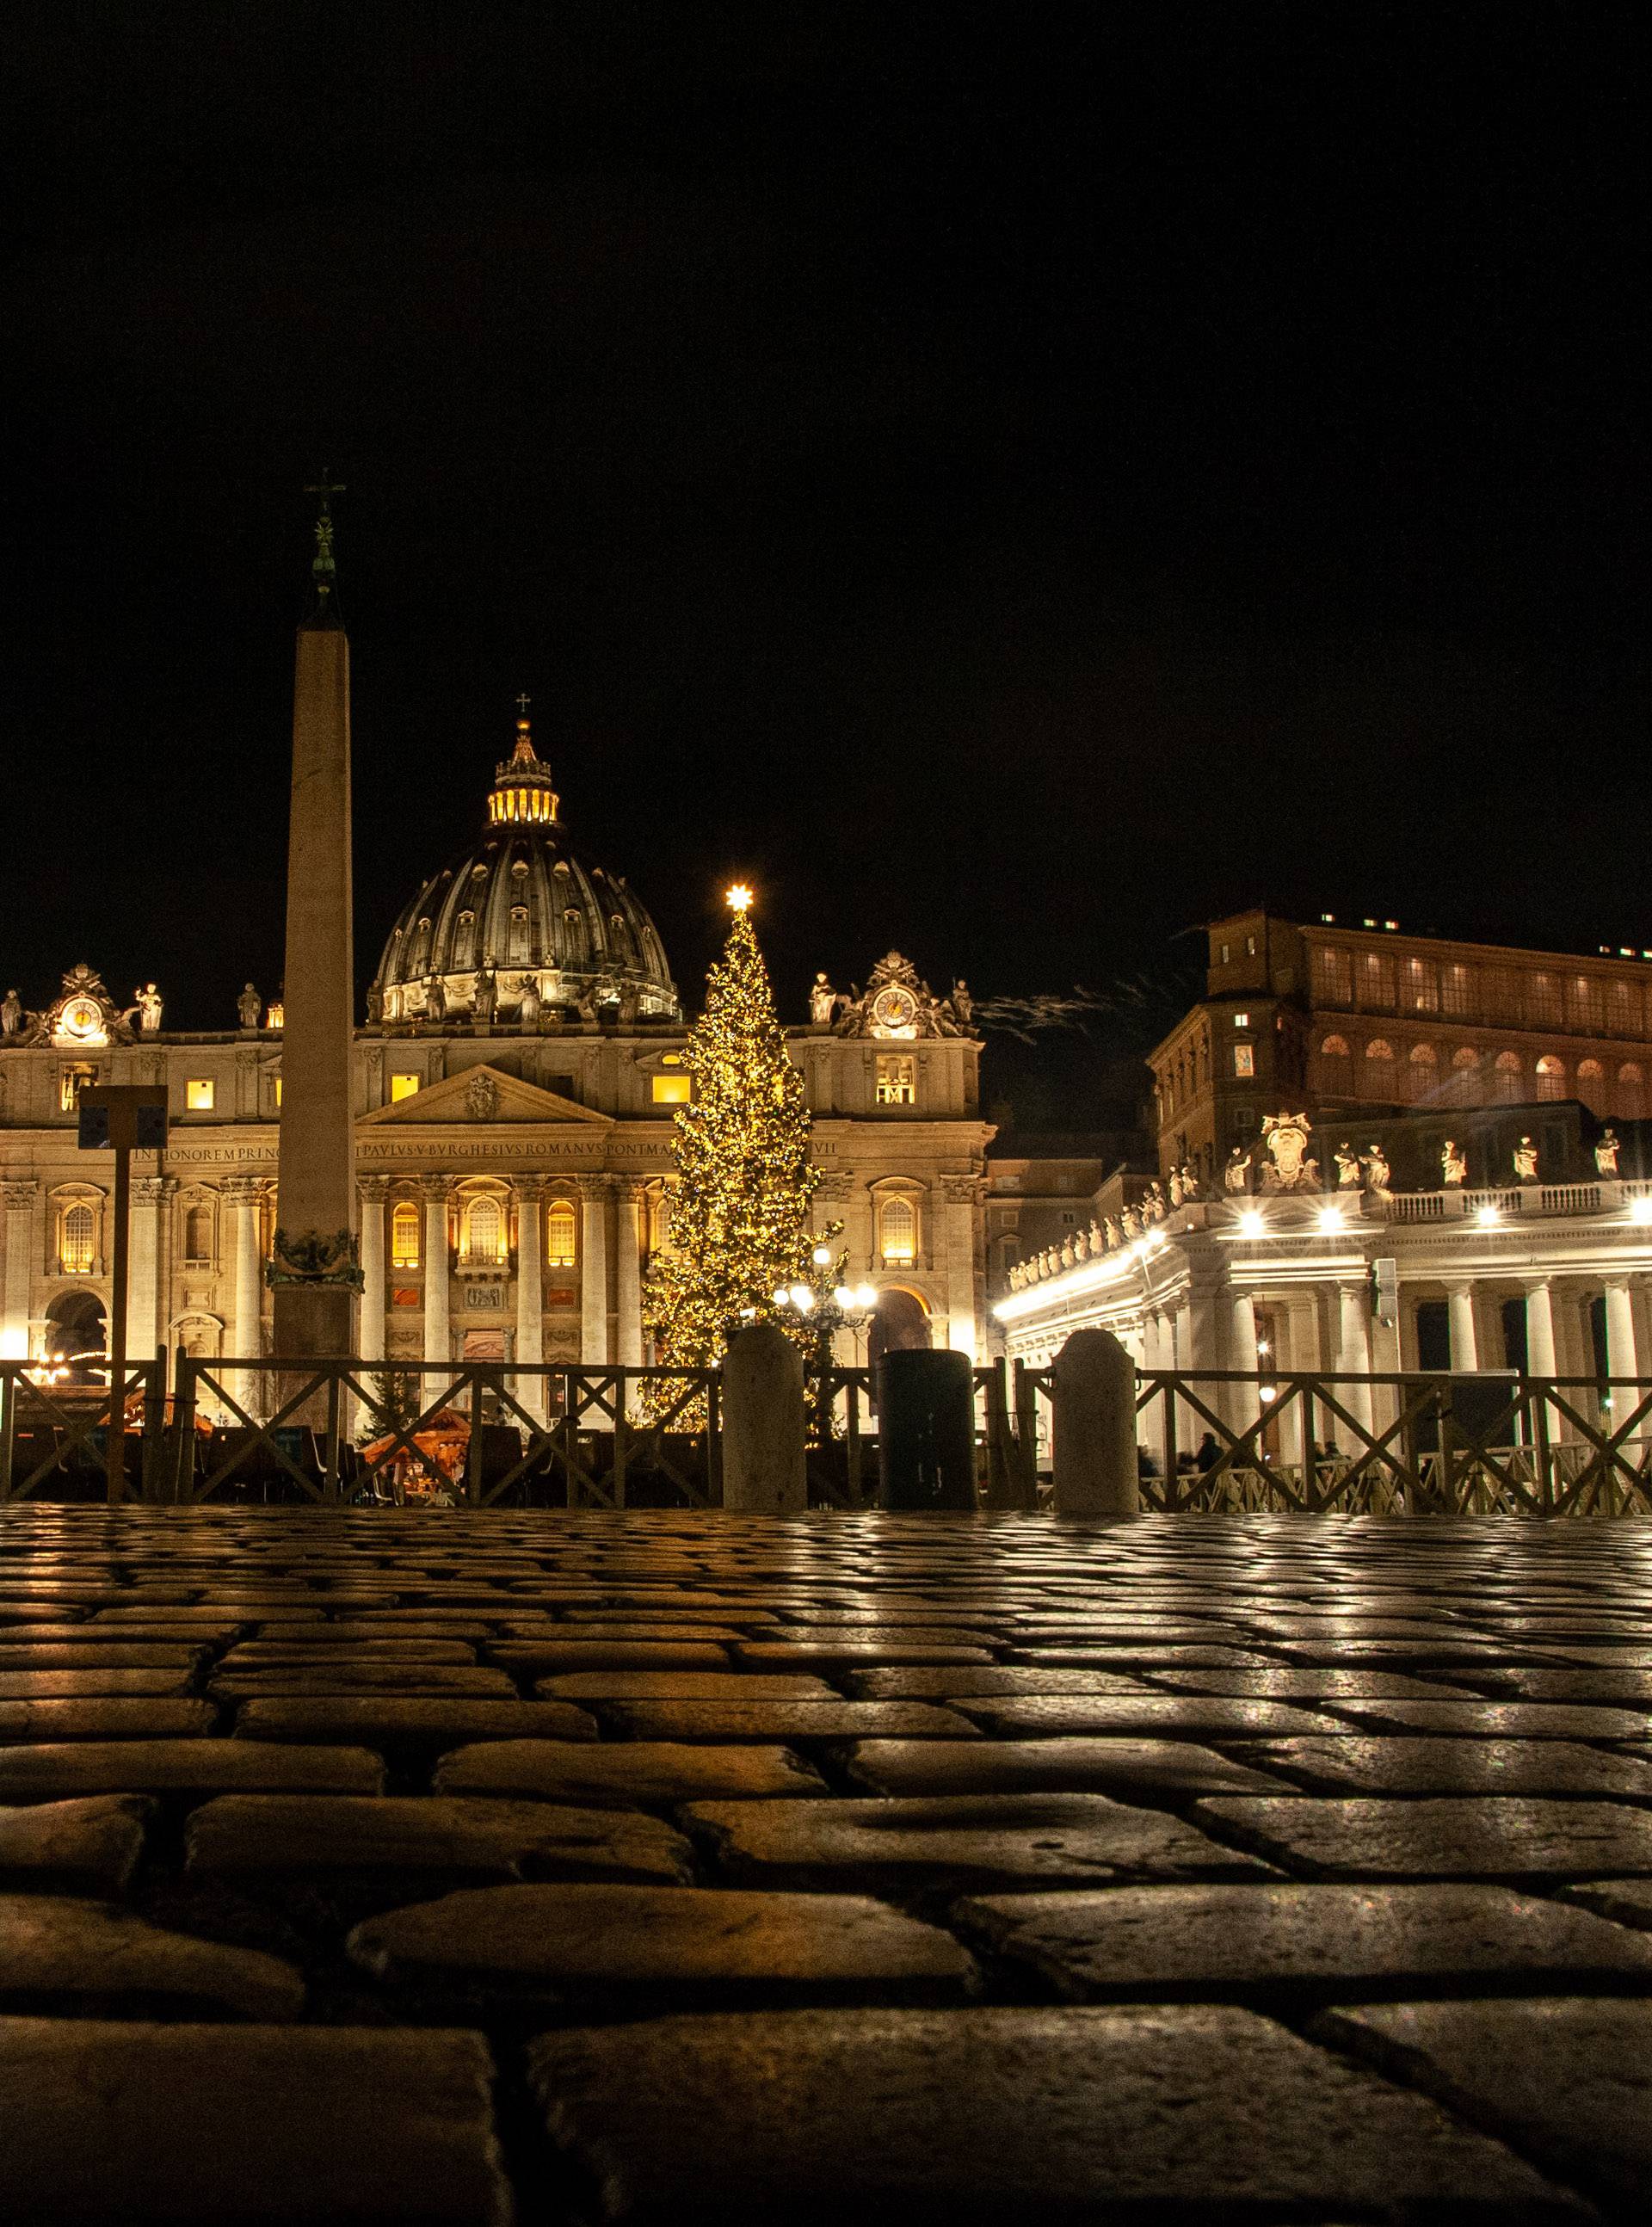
740	1210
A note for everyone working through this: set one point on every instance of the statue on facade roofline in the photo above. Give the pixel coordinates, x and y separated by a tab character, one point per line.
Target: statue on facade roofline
1605	1152
147	1008
250	1006
11	1013
824	1001
528	1011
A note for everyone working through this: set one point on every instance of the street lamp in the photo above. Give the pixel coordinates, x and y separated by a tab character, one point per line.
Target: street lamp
828	1304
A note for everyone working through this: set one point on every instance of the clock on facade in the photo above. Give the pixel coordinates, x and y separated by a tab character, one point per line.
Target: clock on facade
895	1011
79	1021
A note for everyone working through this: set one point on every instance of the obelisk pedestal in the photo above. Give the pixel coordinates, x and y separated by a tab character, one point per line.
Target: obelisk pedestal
313	1271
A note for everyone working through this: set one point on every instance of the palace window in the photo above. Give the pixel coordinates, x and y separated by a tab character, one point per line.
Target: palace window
1631	1092
560	1233
403	1086
1456	992
1380	1071
404	1235
670	1089
897	1232
198	1234
1336	1067
1623	1010
1503	999
485	1233
897	1080
1225	951
1465	1077
77	1239
1592	1085
1333	978
71	1082
1376	982
1421	1069
1551	1077
1245	1059
1508	1079
1584	1005
198	1093
1422	987
1543	1000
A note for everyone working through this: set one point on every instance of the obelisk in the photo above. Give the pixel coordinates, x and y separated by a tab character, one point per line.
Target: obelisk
313	1270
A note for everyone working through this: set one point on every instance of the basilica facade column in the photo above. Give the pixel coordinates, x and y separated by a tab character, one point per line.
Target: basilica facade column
1465	1344
438	1330
530	1290
960	1196
150	1196
1242	1356
1540	1329
371	1336
244	1336
627	1275
593	1270
18	1199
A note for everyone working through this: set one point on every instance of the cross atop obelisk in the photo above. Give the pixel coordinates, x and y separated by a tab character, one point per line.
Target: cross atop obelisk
313	1269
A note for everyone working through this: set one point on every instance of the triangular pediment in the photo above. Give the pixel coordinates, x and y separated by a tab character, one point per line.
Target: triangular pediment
482	1097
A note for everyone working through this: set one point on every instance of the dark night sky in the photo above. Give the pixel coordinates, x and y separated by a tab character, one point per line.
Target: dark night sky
1013	482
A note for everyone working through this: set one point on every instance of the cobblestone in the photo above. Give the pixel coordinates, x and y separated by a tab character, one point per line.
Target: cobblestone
1170	1870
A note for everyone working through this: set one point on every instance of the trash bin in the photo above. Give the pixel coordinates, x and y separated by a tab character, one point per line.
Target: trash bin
925	1424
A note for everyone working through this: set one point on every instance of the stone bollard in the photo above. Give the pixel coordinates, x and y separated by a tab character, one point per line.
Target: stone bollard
763	1423
1095	1400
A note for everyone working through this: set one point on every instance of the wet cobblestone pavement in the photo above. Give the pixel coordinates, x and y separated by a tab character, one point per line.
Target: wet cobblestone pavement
674	1868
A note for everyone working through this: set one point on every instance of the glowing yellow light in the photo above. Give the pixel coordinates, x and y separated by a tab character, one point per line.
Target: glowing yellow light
739	898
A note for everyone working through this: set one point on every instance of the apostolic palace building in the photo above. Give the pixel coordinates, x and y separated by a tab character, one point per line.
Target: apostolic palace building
513	1090
1375	1151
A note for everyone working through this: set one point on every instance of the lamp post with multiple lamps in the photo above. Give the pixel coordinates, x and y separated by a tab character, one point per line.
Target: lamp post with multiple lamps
827	1305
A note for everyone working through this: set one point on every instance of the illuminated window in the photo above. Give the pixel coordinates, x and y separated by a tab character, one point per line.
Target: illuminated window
277	1090
1241	1020
1583	1003
404	1235
1551	1077
897	1080
1250	947
1379	1069
1225	951
71	1083
559	1234
1333	978
402	1086
198	1234
659	1221
671	1090
1376	982
1543	999
897	1232
484	1231
1422	987
1244	1059
1456	992
198	1093
77	1239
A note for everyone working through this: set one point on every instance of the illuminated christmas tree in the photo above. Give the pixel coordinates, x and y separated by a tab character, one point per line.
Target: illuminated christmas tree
740	1210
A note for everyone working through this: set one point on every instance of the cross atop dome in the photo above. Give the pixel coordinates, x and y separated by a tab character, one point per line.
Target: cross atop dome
522	785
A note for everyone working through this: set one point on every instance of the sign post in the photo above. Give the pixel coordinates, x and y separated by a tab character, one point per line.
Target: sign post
126	1118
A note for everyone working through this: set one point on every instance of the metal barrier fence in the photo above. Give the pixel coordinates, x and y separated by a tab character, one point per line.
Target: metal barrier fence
1492	1443
477	1433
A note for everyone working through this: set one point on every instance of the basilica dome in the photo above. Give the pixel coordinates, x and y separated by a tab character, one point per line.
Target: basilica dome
516	925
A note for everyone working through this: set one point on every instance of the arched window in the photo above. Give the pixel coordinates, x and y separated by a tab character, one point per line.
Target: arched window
404	1235
1551	1076
1336	1067
1421	1070
77	1239
897	1232
1465	1077
1508	1079
484	1231
659	1221
561	1230
1379	1069
1592	1085
198	1234
1631	1092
